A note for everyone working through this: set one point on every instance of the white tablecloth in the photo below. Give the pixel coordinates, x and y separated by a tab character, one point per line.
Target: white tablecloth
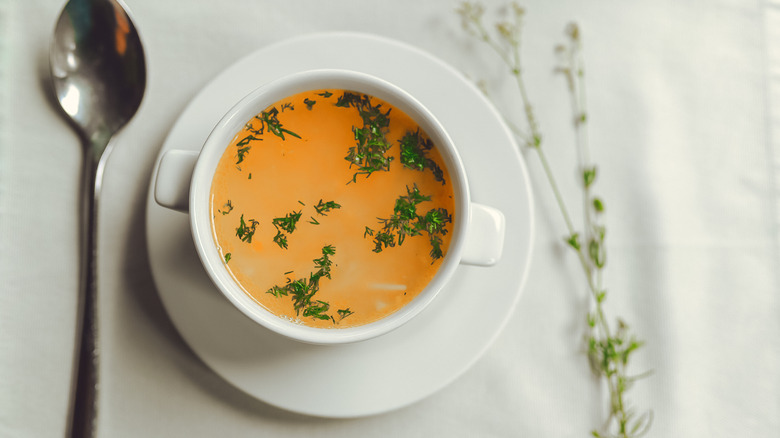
684	112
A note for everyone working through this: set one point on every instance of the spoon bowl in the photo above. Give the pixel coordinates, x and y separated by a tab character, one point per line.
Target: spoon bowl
98	73
98	67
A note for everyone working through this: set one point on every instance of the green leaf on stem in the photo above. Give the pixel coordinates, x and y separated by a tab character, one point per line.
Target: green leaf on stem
596	253
598	205
574	241
589	176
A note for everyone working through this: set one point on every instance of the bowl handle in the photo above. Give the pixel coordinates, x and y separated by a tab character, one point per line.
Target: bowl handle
485	236
172	186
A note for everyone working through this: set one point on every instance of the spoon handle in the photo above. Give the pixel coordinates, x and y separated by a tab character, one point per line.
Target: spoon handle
84	390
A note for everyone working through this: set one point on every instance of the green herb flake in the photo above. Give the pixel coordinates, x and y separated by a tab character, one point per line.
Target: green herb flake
325	94
227	208
280	239
414	154
317	311
246	140
288	222
227	257
407	222
436	251
241	154
246	231
244	146
277	291
323	207
343	313
285	224
269	120
324	263
302	291
382	240
369	153
309	103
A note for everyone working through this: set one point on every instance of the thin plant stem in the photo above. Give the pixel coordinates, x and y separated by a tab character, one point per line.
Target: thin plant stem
608	350
559	199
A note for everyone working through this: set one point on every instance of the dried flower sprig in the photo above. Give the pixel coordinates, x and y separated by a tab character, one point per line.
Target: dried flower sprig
609	350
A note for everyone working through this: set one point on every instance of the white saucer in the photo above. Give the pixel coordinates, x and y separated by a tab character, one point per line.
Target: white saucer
415	360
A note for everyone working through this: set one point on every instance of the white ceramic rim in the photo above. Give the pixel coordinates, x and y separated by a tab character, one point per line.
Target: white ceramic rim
258	100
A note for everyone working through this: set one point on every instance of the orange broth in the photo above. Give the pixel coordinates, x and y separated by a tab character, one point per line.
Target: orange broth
262	176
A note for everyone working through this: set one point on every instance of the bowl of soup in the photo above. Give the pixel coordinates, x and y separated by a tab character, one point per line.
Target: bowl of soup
330	206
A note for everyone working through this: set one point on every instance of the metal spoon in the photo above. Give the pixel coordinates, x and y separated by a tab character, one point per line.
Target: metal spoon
99	77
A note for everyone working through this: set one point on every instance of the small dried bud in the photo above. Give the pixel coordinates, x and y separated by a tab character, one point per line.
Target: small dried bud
504	29
573	31
518	10
471	11
471	16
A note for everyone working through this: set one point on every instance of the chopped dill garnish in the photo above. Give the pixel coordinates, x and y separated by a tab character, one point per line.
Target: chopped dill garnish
287	105
245	141
227	208
302	294
324	263
343	313
278	291
435	220
309	103
270	120
414	154
323	207
246	231
317	311
287	224
325	94
436	252
302	290
383	239
241	153
406	221
314	221
243	145
301	202
371	145
280	239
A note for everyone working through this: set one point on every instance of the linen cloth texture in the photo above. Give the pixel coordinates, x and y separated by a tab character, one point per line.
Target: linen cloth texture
684	125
